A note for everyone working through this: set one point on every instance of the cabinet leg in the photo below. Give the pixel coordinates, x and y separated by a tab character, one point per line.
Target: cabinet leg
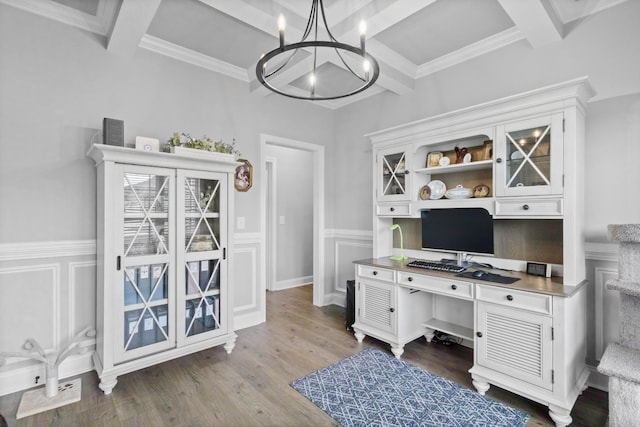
397	350
229	345
481	384
429	334
560	416
107	383
358	334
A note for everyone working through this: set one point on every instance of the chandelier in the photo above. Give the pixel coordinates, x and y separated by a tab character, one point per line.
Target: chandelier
357	71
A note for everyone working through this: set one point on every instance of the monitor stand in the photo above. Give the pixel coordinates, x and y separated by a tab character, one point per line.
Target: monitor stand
459	261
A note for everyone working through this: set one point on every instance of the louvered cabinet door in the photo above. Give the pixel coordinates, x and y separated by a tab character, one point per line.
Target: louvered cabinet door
377	305
515	342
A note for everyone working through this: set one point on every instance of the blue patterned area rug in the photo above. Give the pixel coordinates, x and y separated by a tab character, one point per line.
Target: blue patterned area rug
373	388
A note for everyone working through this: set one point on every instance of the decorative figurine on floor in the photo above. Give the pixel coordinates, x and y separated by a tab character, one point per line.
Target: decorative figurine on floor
34	401
400	257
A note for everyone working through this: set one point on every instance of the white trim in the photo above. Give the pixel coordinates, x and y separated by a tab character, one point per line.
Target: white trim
318	152
335	298
292	283
271	227
55	296
22	378
336	233
247	238
337	285
163	47
98	24
51	249
248	320
601	251
600	288
479	48
597	380
73	282
254	283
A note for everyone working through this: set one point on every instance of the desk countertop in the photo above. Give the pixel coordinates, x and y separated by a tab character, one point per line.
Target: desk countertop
543	285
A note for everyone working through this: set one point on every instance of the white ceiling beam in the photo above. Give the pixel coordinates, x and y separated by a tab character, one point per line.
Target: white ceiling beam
535	19
131	23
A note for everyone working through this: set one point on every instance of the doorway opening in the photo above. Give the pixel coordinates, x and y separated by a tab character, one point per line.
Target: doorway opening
270	221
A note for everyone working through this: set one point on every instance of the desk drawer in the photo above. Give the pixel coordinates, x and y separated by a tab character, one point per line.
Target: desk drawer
377	273
531	301
392	209
529	207
454	288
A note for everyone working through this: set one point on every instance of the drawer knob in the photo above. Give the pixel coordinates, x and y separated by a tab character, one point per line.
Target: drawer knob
391	310
479	334
410	279
454	287
509	297
375	273
392	209
525	207
499	160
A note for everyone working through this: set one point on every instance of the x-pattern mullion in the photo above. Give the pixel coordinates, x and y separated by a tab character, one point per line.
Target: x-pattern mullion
527	157
394	176
146	215
202	215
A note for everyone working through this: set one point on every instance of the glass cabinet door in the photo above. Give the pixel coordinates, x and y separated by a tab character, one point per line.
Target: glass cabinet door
393	170
530	160
201	257
143	288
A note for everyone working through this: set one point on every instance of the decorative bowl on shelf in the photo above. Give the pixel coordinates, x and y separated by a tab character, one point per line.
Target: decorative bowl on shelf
459	193
438	188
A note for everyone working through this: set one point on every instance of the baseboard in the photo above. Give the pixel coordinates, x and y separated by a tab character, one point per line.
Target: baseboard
292	283
23	378
597	380
248	320
335	298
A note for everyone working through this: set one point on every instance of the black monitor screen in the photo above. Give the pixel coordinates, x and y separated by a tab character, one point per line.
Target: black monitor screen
467	230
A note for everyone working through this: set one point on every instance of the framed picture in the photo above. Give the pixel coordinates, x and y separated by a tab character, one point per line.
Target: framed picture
243	179
433	159
487	150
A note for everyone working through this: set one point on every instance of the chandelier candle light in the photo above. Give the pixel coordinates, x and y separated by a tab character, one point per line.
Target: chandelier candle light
350	57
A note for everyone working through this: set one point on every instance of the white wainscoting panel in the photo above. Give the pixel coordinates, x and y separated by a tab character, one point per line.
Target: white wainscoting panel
348	246
607	303
49	301
249	301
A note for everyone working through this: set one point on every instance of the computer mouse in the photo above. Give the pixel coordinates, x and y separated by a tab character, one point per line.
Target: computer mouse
479	274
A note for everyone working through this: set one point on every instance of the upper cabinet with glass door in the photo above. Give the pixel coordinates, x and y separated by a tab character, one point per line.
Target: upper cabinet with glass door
144	318
529	160
393	176
201	260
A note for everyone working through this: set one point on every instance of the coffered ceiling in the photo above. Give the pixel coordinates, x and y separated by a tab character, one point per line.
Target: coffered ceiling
410	38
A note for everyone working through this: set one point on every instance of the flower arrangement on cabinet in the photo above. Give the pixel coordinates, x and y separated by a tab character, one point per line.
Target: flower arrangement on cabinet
205	143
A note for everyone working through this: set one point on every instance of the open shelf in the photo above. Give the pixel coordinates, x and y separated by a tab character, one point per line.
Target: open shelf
449	328
437	170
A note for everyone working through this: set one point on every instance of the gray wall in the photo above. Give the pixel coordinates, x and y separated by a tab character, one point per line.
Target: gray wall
294	194
56	85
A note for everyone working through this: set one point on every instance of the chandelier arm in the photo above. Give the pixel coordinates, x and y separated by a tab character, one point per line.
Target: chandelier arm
324	19
283	65
307	30
348	67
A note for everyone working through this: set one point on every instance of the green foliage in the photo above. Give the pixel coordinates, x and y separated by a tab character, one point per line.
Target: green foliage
205	143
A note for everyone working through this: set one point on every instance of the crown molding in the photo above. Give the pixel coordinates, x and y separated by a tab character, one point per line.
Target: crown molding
98	24
163	47
471	51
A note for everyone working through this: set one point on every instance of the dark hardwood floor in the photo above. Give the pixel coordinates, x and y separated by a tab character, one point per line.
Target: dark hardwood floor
251	386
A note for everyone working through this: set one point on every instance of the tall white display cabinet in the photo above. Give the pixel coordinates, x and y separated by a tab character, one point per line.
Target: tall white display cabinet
164	267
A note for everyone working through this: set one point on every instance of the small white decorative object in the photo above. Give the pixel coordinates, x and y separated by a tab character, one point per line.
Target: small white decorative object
147	144
444	161
466	158
36	401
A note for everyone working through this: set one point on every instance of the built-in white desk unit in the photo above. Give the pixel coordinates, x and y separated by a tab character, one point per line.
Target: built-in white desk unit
525	160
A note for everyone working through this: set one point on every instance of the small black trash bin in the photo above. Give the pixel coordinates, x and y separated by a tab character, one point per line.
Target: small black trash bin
351	304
